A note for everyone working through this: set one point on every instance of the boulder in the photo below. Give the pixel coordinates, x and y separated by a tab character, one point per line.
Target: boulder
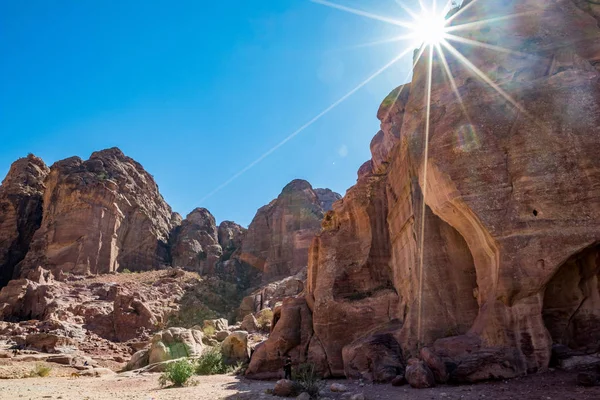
435	364
221	335
235	348
303	396
138	360
418	375
338	388
375	358
220	324
249	323
285	388
175	343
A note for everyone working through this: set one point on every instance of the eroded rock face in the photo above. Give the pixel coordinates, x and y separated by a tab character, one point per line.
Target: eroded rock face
196	245
100	215
21	204
491	256
281	232
231	236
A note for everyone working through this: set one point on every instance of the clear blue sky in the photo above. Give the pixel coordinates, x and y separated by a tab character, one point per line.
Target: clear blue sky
197	90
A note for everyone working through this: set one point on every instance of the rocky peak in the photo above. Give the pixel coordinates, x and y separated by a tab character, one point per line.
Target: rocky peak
231	236
279	235
101	215
26	176
327	197
196	244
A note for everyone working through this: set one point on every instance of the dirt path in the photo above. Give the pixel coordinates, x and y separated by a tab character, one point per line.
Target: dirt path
550	386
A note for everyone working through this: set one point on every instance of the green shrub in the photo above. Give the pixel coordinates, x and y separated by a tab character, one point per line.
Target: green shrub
177	372
264	319
41	370
307	377
209	330
211	363
125	271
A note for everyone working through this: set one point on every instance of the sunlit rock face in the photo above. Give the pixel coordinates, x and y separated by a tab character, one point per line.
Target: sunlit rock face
503	214
280	234
101	215
21	197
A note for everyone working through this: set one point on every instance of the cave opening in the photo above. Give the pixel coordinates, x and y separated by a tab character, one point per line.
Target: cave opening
571	309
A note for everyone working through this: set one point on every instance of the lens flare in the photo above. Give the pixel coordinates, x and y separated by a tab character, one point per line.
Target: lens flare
429	28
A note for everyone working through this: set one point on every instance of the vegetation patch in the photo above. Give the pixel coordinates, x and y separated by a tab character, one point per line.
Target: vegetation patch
177	373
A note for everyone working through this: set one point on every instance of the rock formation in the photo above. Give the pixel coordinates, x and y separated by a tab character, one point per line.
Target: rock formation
480	239
230	237
196	244
21	199
278	238
101	215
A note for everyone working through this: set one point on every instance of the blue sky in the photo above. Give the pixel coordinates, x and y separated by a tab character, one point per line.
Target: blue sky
197	90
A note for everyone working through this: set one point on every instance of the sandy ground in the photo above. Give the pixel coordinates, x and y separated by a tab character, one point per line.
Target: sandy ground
550	386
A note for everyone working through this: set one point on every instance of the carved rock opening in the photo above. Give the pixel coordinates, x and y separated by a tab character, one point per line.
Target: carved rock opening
571	309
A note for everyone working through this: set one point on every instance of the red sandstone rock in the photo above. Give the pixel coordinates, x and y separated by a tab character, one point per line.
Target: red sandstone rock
508	214
100	215
281	232
21	196
196	245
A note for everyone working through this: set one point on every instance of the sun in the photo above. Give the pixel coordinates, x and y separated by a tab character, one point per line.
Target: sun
429	28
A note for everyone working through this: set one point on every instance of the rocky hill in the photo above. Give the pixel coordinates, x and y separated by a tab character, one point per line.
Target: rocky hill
476	252
83	246
280	234
101	215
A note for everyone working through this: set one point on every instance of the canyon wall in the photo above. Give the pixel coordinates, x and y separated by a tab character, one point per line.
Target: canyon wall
478	237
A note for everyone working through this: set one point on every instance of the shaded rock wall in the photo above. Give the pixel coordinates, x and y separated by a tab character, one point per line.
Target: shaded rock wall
21	203
462	240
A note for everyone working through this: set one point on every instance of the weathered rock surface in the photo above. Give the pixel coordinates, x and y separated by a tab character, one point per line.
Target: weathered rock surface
484	243
235	348
196	245
418	375
174	343
21	204
230	237
278	238
100	215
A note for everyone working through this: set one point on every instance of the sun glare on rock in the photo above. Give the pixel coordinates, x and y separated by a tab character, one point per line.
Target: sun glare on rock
429	29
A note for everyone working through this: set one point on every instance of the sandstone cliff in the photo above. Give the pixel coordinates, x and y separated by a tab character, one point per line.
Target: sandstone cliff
482	245
21	199
278	237
101	215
